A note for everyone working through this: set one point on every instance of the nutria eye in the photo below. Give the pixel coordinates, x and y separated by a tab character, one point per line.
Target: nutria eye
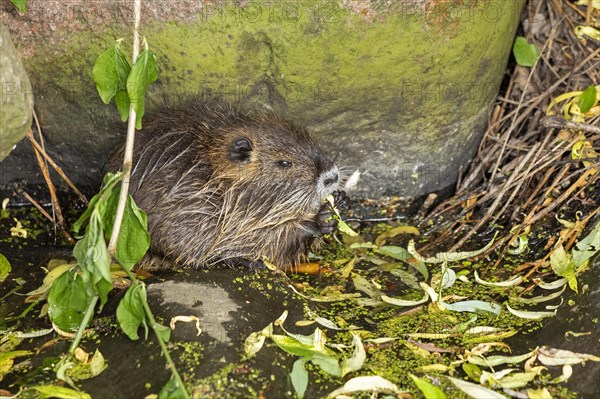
284	164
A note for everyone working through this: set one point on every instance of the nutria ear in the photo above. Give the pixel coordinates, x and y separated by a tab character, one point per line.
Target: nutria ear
240	150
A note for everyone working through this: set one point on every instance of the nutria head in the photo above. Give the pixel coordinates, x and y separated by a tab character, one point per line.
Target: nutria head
273	159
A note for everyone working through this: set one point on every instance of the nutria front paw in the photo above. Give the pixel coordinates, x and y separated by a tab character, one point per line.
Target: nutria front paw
325	220
341	200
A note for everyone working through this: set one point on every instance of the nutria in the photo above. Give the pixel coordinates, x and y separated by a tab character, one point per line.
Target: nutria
221	185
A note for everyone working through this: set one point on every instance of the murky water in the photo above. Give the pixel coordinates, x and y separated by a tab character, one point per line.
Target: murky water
231	304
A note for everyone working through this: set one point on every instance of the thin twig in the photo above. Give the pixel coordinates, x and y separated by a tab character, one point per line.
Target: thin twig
57	168
38	207
560	123
46	173
582	180
494	205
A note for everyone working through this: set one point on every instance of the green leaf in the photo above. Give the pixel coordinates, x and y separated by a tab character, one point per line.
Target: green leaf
172	390
134	239
110	73
526	54
587	247
299	377
67	301
429	390
395	231
328	364
21	5
404	256
87	213
122	102
53	391
143	73
563	266
472	370
97	364
587	99
92	256
109	182
5	268
163	331
130	312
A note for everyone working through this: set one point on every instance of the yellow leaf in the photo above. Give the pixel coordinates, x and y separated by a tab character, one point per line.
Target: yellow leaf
589	31
595	3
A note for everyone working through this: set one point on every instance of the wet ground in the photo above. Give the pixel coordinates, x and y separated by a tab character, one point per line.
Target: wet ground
231	304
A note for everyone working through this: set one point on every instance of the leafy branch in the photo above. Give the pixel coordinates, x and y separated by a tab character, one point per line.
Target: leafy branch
113	216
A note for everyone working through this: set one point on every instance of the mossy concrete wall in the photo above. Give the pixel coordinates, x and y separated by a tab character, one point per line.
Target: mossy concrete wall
16	103
399	90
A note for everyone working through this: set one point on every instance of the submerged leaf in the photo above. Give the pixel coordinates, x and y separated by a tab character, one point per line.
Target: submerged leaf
558	357
403	255
372	383
429	390
493	361
448	256
403	302
395	231
472	306
356	361
542	298
54	391
476	391
523	314
508	283
299	377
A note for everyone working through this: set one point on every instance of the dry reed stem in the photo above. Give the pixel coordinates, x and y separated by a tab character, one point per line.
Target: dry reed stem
56	206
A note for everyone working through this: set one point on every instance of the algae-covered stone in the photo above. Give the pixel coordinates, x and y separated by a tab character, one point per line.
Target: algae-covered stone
399	90
17	101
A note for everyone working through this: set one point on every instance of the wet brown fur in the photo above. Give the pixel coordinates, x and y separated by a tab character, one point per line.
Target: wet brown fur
205	207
